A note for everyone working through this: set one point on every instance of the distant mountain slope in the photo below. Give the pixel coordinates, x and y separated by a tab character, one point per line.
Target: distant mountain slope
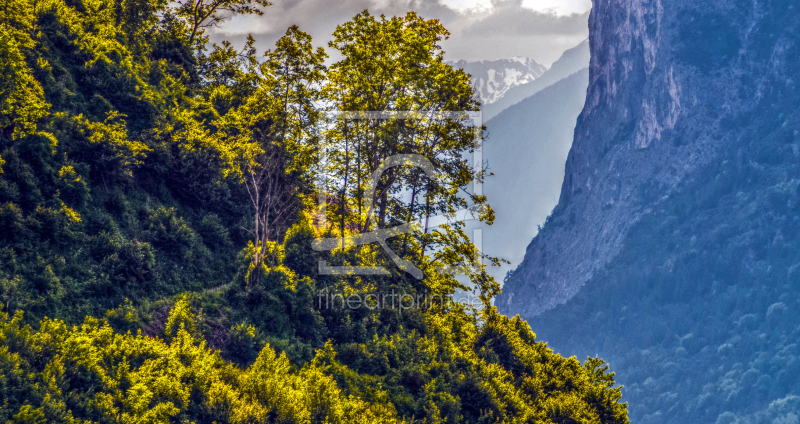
673	251
493	78
526	150
572	61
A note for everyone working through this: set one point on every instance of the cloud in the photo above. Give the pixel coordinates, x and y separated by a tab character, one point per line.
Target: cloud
468	6
481	29
559	7
515	21
512	29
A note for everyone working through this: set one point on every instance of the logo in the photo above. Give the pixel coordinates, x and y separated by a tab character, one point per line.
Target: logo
467	118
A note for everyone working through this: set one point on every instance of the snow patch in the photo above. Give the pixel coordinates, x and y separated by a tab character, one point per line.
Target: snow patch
493	78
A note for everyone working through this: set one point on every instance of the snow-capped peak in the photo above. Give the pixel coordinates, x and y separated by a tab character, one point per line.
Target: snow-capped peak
492	78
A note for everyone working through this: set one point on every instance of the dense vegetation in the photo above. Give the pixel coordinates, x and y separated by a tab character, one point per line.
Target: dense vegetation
166	188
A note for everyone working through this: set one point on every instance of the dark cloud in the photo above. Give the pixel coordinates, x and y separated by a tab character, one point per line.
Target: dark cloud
509	30
513	30
517	21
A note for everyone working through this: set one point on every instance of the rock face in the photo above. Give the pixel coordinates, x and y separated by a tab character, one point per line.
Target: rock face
673	252
526	148
667	78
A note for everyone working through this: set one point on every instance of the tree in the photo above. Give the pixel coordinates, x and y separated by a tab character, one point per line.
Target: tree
9	288
274	137
22	101
72	246
396	65
201	14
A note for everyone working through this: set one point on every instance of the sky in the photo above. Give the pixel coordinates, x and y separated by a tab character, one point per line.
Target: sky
480	29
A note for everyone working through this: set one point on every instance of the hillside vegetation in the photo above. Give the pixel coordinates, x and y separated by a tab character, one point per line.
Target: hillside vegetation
158	206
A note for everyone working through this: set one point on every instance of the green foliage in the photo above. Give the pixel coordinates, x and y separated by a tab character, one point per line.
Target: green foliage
169	191
93	373
90	373
22	101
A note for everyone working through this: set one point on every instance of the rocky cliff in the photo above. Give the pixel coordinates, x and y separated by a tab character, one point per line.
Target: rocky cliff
526	148
667	79
673	252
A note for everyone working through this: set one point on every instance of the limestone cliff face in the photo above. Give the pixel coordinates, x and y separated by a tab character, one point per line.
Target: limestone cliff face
667	81
673	252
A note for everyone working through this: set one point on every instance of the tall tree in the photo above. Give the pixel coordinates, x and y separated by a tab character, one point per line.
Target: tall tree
394	65
273	135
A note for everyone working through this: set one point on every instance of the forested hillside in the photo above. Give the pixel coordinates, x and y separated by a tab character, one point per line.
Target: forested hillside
158	203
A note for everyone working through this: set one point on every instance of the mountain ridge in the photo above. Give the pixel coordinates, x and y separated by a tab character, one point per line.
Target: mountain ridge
570	62
493	78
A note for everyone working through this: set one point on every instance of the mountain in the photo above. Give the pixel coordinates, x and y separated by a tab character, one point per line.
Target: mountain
493	78
526	149
673	250
572	61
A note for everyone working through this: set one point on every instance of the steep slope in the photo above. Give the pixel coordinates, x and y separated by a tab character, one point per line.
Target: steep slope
526	150
674	241
572	61
493	78
129	159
